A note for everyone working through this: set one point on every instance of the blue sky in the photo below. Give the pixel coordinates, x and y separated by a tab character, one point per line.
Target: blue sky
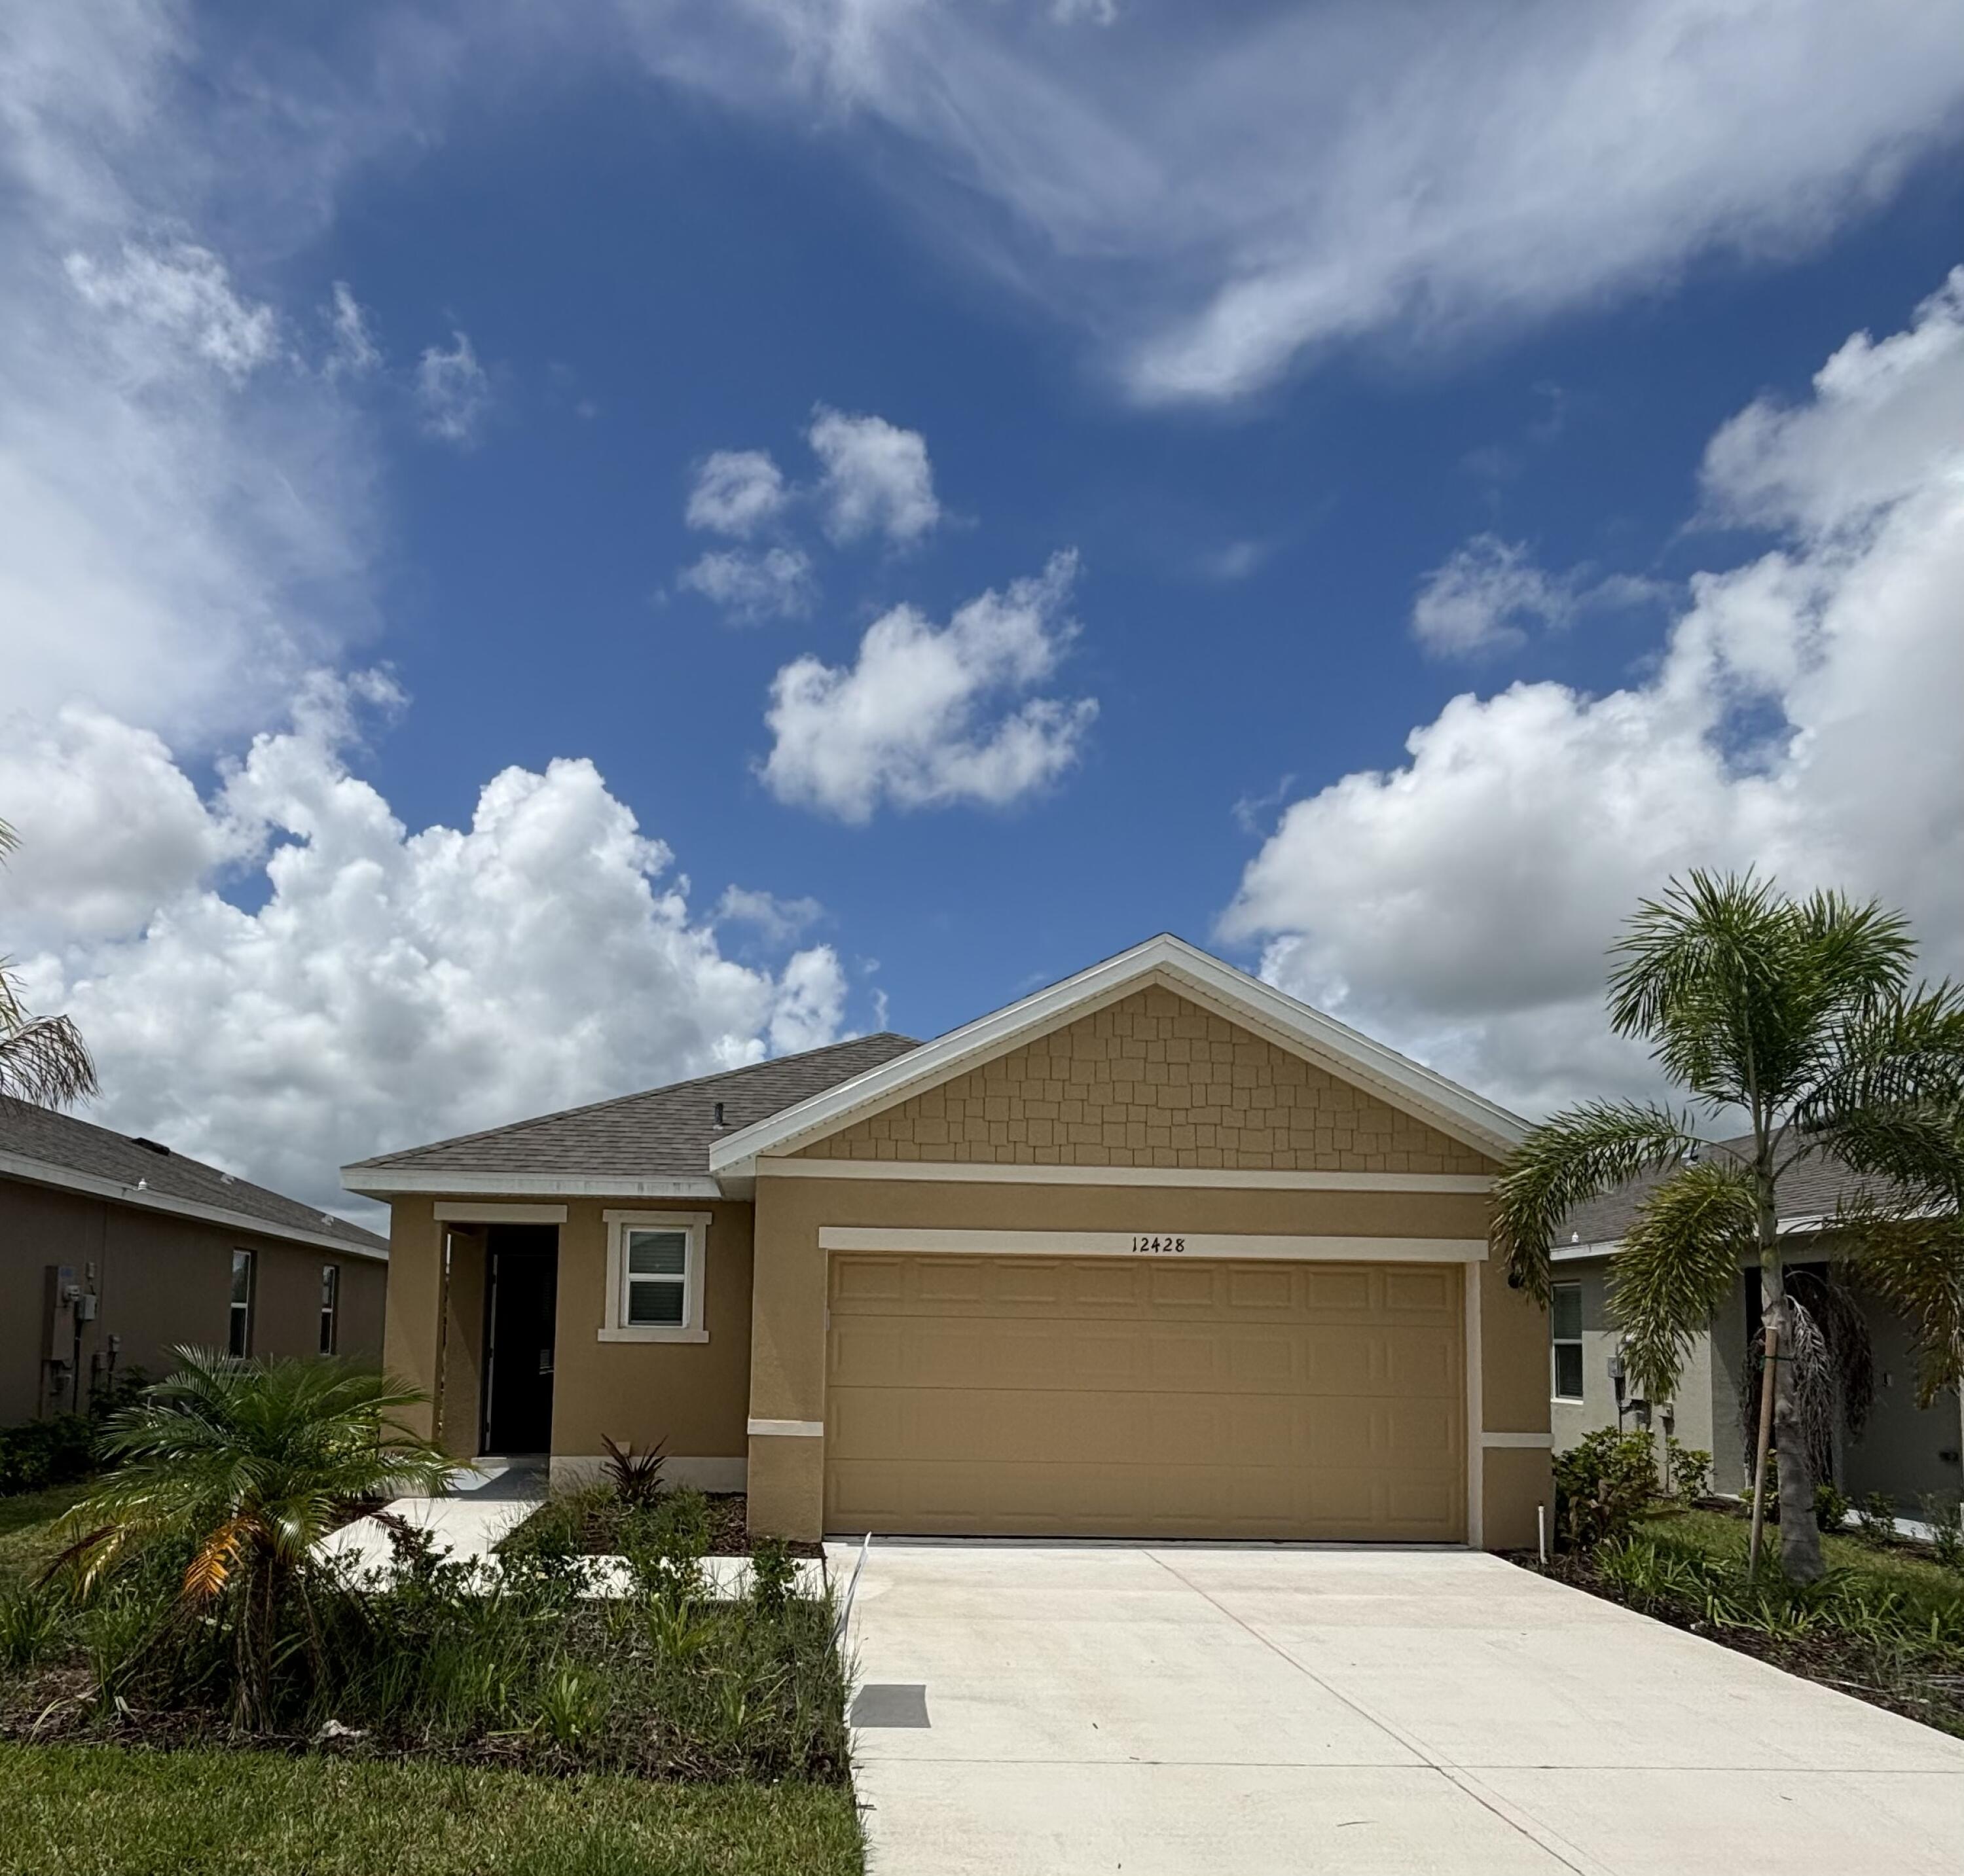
1330	425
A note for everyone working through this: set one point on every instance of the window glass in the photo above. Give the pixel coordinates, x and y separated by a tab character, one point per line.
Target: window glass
330	1297
1564	1318
657	1280
240	1338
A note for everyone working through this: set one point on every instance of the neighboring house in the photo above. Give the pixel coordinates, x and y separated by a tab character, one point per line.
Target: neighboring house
114	1251
1158	1251
1905	1451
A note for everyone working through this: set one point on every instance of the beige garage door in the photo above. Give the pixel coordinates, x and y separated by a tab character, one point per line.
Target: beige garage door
1121	1397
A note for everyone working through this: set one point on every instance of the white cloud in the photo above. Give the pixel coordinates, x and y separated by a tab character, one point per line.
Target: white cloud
1483	597
1213	198
926	716
452	392
394	986
184	293
876	477
736	491
775	583
354	352
1801	718
778	921
1097	12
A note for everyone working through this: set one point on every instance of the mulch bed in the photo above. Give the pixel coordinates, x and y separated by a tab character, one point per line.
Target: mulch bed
1832	1657
600	1528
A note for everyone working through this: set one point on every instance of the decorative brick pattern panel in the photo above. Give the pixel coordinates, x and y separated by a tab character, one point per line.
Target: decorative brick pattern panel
1154	1081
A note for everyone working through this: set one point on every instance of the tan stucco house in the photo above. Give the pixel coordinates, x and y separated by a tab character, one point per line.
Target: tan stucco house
1158	1251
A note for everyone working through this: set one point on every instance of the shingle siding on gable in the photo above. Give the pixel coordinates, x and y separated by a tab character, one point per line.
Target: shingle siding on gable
1153	1081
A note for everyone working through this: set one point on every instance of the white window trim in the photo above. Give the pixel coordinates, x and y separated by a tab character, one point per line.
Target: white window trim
614	1328
1556	1342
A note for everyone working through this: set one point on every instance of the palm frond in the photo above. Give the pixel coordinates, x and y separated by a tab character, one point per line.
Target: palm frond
210	1568
42	1058
1679	1263
1576	1156
1914	1262
1894	1065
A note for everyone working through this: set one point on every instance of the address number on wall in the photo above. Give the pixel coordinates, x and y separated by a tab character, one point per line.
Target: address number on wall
1159	1247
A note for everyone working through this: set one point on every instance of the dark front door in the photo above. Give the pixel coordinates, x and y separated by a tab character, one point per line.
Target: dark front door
521	1295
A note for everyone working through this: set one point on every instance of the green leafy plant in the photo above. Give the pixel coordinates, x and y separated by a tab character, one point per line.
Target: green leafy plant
1830	1507
1876	1521
33	1624
1945	1516
572	1705
41	1453
1689	1469
246	1465
773	1575
1802	1013
1602	1485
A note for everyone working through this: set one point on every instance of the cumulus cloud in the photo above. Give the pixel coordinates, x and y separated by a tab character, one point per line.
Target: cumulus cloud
875	478
736	491
394	985
1483	598
775	583
1218	196
452	392
927	716
1801	718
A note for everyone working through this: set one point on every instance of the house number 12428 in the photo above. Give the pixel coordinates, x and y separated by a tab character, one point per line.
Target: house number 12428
1159	1247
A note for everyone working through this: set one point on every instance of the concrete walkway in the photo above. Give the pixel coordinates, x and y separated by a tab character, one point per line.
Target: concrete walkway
1180	1711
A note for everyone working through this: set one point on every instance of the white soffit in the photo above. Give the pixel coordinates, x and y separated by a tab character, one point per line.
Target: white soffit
1189	972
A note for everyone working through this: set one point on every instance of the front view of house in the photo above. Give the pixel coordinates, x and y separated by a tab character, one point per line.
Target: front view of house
1158	1252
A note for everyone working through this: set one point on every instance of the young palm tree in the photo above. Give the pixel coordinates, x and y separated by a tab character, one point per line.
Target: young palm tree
1801	1012
42	1058
250	1464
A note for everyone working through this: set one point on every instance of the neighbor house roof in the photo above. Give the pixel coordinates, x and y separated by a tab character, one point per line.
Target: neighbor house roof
652	1144
1182	968
1808	1194
45	1148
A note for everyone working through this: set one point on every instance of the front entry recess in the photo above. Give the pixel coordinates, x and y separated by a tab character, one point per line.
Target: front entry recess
521	1302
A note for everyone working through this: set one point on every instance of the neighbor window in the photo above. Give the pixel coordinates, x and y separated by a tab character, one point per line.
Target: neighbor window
330	1299
240	1340
1565	1319
654	1276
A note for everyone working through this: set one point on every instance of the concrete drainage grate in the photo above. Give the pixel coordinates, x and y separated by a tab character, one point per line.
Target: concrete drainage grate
893	1703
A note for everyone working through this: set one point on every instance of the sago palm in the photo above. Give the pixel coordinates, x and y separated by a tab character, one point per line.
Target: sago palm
42	1058
1801	1014
248	1464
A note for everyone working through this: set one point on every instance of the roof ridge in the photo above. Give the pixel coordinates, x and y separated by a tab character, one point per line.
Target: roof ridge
638	1094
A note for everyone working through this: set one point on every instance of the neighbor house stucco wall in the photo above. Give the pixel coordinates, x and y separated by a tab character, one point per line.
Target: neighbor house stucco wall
1153	1080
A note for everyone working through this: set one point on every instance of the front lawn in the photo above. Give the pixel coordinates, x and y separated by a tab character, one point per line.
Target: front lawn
28	1543
96	1811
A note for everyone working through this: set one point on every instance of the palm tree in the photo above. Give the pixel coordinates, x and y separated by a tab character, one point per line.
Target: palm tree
1802	1013
42	1058
249	1464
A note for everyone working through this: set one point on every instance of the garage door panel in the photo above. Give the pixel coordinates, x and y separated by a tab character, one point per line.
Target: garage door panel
1102	1397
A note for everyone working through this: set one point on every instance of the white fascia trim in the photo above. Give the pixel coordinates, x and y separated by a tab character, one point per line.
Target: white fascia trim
1180	966
786	1429
1156	1244
65	1179
1196	1178
1538	1442
386	1182
483	1211
1804	1224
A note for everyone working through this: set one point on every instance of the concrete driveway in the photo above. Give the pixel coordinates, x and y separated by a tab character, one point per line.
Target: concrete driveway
1173	1710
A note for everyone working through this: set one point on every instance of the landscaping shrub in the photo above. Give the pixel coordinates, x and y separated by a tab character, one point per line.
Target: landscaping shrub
1945	1516
1602	1484
38	1454
1689	1469
1830	1507
1876	1521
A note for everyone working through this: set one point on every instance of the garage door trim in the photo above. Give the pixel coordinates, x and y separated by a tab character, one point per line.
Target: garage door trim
1209	1244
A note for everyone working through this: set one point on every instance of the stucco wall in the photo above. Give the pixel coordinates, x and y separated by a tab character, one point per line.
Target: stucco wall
161	1280
1153	1080
1905	1451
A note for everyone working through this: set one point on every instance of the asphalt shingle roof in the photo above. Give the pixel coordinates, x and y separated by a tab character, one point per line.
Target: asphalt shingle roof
61	1140
1809	1190
664	1133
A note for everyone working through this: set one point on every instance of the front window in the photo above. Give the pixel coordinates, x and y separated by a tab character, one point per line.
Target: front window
240	1340
330	1301
1564	1321
655	1274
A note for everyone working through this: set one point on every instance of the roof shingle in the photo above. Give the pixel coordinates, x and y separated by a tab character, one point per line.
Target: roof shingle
60	1141
663	1133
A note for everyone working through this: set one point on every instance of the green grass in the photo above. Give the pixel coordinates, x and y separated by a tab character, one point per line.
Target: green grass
26	1539
1727	1538
97	1811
